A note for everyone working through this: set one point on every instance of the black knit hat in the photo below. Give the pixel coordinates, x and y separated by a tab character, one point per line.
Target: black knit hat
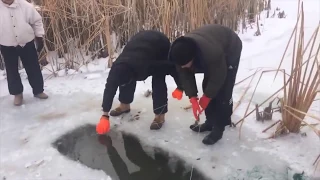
182	51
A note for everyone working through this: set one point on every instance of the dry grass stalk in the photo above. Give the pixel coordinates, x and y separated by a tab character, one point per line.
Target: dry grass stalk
279	90
285	51
108	38
316	163
300	122
301	112
314	124
247	77
265	130
318	158
246	112
244	79
245	92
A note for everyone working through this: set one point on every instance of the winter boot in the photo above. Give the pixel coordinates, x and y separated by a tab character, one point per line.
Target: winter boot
42	96
122	109
157	122
214	136
18	100
201	127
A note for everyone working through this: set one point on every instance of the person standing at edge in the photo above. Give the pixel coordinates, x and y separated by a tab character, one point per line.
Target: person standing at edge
21	24
146	54
215	51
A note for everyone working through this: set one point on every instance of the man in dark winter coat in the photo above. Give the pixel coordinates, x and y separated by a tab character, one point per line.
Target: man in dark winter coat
215	51
146	54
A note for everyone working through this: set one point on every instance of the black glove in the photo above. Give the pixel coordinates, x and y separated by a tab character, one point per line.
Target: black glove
40	43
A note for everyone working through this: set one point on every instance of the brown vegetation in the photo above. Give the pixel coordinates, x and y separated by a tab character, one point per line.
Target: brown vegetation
89	25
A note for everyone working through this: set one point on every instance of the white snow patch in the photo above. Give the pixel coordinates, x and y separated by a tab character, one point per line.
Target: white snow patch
2	75
93	76
26	132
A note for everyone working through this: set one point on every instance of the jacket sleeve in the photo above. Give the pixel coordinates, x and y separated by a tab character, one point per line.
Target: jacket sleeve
110	90
35	21
216	75
188	81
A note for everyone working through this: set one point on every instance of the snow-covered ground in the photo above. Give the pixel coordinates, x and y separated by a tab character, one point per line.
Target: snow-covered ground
26	132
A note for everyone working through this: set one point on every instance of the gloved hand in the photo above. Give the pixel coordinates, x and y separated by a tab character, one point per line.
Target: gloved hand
195	107
204	101
104	125
177	94
40	43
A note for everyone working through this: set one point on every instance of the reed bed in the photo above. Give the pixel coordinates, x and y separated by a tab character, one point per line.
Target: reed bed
81	30
303	84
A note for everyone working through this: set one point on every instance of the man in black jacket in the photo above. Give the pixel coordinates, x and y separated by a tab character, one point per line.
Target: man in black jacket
146	54
215	51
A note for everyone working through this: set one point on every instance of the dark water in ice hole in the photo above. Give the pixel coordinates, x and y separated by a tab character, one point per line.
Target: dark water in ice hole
122	156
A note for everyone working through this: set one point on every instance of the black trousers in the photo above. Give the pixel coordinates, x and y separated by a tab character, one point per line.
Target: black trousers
159	94
29	58
220	109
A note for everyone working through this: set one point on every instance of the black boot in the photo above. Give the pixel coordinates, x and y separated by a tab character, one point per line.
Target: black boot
201	127
215	135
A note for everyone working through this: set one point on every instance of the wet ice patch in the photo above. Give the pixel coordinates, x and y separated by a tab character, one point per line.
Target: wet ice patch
27	133
122	156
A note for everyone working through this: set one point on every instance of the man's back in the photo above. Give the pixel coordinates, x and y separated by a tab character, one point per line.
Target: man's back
143	51
215	35
146	46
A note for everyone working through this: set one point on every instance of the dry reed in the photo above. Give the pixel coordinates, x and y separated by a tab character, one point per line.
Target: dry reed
80	30
298	97
302	86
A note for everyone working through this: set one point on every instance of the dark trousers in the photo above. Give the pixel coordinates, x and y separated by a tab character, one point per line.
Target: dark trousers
29	58
220	109
159	94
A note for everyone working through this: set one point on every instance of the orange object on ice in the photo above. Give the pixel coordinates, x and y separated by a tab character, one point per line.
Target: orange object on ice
177	94
104	125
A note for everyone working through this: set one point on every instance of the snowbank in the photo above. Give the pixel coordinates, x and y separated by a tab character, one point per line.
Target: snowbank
75	99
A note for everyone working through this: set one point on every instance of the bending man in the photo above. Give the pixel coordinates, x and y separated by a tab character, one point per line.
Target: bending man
146	54
215	51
